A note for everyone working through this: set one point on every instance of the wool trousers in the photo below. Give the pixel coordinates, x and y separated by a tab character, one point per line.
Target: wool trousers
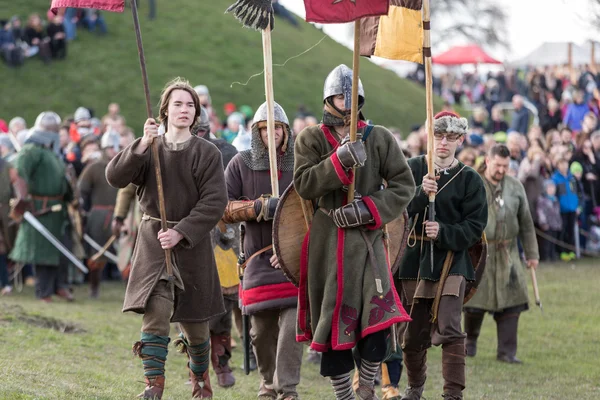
278	355
157	318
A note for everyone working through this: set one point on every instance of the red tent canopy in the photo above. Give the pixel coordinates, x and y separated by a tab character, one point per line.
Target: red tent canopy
465	55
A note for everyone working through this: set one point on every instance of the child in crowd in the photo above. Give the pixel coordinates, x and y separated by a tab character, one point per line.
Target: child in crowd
549	220
566	189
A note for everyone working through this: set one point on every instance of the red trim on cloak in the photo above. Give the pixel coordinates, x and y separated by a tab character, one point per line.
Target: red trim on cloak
374	212
303	304
269	292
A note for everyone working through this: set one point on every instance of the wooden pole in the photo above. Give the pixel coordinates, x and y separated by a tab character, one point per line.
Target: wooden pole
570	60
155	155
429	107
268	61
354	110
593	55
536	291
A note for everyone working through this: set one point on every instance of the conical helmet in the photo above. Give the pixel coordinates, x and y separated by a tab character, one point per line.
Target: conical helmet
339	81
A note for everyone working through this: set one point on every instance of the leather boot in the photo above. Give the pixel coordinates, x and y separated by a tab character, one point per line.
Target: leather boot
453	369
95	277
65	294
220	353
416	372
473	322
201	388
155	385
507	326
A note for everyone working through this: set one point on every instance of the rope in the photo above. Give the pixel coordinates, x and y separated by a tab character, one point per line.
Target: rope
560	243
280	65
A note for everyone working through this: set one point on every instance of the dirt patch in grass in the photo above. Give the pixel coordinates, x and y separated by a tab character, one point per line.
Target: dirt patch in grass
12	313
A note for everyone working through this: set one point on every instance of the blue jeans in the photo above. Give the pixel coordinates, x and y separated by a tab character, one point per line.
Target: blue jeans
99	22
70	27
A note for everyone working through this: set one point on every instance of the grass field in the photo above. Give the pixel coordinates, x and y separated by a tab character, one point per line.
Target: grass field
196	40
83	350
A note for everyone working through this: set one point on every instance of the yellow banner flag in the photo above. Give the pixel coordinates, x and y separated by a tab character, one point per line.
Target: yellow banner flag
397	35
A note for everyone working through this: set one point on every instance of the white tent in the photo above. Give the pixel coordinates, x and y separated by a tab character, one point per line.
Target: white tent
557	53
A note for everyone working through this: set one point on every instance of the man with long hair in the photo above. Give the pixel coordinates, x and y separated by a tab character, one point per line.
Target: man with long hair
194	200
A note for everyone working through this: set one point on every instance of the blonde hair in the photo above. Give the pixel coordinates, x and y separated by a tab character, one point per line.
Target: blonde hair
177	84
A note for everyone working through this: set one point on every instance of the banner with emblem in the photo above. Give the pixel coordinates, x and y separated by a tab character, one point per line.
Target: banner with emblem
340	11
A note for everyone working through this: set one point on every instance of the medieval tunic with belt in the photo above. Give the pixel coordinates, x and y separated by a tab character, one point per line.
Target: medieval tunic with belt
195	198
461	211
504	282
248	177
44	174
339	299
100	198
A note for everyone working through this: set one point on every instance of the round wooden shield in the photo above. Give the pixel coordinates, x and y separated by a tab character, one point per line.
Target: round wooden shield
289	229
397	231
478	254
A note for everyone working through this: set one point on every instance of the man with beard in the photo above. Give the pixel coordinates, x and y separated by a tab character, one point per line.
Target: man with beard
267	296
99	200
42	189
435	292
347	297
194	200
503	289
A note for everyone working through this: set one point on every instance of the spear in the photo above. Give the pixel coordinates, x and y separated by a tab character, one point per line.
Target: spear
258	14
118	6
429	106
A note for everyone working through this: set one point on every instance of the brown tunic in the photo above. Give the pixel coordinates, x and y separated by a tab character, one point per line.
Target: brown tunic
264	287
100	198
195	197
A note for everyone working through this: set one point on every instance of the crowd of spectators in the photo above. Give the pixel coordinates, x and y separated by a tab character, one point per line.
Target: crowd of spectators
45	39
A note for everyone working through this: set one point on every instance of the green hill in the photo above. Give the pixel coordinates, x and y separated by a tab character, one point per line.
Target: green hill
196	40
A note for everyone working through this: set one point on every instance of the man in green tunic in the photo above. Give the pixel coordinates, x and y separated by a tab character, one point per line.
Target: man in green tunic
503	289
41	186
346	296
435	292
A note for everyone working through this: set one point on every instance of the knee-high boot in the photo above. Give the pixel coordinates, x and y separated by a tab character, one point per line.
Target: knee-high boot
453	369
220	354
507	326
473	322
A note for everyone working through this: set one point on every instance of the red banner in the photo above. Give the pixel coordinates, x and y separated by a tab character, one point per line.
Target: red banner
338	11
107	5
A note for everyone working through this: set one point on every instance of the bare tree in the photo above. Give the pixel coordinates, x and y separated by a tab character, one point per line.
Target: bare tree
478	21
595	14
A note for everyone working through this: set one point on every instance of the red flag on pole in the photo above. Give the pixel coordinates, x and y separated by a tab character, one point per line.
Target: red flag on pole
107	5
339	11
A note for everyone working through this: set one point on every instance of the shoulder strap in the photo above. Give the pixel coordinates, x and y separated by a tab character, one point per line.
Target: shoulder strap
368	130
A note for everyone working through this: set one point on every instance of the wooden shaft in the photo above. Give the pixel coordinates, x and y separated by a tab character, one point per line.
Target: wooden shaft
268	61
155	155
536	291
593	55
570	59
428	92
104	248
354	109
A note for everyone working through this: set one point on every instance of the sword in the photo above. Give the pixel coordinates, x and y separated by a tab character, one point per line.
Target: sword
37	225
536	291
99	248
